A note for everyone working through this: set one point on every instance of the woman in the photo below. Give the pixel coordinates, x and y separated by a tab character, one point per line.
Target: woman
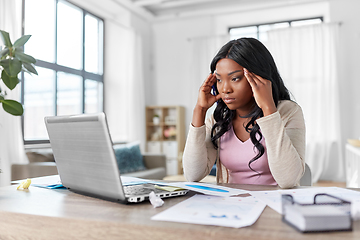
256	134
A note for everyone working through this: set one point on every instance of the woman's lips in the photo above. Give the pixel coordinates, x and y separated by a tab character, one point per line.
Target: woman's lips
228	100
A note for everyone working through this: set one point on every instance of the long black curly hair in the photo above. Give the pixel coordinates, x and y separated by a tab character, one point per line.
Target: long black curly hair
255	57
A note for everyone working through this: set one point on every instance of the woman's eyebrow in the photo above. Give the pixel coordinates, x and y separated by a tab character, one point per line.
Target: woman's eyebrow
230	73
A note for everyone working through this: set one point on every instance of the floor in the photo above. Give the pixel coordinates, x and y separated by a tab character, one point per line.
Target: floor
329	184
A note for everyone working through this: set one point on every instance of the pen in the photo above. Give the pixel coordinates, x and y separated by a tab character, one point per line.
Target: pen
214	90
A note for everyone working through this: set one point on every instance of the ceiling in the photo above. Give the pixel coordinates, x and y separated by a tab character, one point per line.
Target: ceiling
158	9
177	7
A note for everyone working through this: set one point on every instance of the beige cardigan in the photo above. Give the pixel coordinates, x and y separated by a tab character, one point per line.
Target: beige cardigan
284	133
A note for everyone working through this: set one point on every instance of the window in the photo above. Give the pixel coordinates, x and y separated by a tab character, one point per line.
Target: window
259	31
67	42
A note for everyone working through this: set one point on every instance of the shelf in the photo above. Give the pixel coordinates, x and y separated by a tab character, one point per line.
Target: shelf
170	129
150	124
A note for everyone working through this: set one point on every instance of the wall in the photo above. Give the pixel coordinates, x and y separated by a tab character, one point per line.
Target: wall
172	63
120	26
172	60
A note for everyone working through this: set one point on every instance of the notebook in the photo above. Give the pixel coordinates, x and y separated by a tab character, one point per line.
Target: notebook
86	162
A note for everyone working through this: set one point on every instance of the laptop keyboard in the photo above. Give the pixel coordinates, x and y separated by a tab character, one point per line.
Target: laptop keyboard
141	189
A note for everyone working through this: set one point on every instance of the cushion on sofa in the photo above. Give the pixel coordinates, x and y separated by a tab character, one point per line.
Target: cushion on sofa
129	157
40	155
154	173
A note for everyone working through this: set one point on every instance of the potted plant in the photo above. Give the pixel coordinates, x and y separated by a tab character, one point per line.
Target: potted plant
156	119
12	61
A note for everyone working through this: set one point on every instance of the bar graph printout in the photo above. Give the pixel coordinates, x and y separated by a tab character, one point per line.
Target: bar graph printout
215	210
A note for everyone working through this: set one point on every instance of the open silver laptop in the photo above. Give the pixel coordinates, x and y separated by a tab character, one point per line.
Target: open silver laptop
86	162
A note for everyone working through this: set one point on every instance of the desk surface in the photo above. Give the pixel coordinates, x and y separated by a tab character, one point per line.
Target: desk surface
39	213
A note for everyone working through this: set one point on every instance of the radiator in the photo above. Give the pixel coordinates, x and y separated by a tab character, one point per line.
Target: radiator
352	166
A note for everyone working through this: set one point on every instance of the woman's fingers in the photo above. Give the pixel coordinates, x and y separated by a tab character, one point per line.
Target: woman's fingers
211	79
262	91
253	78
257	82
249	77
208	83
205	98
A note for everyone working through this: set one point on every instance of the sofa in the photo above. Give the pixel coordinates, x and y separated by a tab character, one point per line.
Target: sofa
42	163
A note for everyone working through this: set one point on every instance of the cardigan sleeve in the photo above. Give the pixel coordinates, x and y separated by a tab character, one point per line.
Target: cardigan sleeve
199	152
284	133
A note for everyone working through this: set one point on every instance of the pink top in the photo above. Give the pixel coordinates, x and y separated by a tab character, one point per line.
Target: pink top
235	156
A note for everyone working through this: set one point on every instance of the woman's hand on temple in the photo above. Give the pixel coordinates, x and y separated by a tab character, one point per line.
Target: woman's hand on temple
262	92
205	98
205	101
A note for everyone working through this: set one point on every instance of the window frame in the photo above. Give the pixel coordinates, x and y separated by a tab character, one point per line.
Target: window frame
59	68
276	22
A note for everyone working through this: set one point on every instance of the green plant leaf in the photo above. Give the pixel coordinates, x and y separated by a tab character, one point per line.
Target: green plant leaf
30	68
24	57
10	82
4	52
13	107
21	41
11	66
6	38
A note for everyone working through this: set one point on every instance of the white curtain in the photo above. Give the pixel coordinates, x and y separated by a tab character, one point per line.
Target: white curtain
11	140
306	57
203	51
124	84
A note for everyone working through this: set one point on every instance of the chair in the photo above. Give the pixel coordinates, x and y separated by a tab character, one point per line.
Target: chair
306	178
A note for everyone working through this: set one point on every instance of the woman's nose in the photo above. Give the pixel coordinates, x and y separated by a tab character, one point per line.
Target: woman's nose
226	88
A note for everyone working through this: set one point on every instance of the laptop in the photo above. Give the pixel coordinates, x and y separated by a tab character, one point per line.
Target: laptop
86	162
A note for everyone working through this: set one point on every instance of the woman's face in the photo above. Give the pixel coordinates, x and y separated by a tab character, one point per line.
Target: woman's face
232	85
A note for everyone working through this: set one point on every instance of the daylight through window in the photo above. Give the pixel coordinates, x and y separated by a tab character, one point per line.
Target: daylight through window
67	42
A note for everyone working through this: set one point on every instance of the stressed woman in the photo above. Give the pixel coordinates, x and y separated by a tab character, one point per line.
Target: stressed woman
256	134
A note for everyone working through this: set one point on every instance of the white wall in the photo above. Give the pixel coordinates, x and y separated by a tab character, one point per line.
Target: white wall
119	23
172	60
172	63
144	28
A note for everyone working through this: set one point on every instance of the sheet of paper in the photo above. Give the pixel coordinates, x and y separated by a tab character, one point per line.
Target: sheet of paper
270	198
214	210
53	179
206	188
352	196
50	182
